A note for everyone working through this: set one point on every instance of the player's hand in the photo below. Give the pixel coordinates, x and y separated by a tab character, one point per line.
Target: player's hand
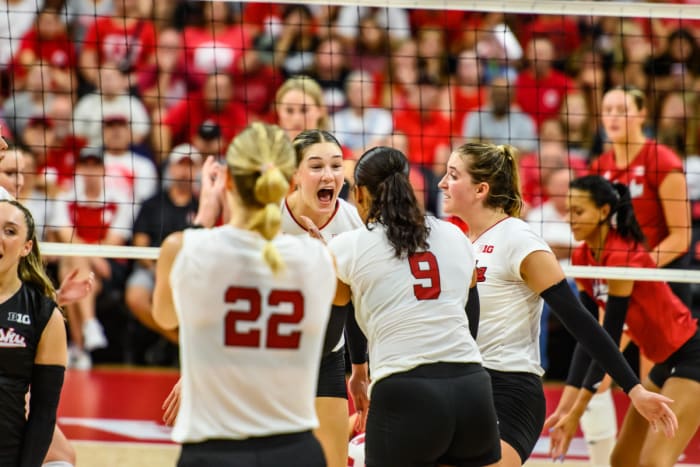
655	408
358	387
171	405
313	230
73	290
213	192
553	420
561	434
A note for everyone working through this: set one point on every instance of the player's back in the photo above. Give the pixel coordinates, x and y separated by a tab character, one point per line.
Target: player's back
250	340
411	309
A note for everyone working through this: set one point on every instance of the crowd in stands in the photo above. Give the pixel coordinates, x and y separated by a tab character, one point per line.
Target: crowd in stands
115	104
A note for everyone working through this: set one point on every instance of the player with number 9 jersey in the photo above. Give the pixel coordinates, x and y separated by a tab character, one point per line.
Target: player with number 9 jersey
409	278
411	309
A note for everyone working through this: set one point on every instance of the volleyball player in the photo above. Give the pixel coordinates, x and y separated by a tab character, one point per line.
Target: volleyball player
33	347
409	278
60	453
318	181
252	308
657	321
516	271
315	199
655	177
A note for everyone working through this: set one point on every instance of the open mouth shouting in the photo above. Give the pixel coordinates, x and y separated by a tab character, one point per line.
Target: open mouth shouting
325	196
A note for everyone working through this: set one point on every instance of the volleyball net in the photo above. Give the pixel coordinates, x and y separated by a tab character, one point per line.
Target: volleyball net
140	87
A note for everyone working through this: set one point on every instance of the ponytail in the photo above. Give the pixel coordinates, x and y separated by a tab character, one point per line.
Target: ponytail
384	172
625	221
269	190
261	162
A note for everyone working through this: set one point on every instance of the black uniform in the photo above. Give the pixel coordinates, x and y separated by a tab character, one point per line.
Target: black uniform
23	318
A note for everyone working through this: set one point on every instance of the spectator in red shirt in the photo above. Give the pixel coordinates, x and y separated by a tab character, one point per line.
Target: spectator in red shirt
536	168
401	75
47	41
165	83
90	215
561	30
59	167
540	89
427	129
450	21
464	92
215	43
126	39
215	102
256	84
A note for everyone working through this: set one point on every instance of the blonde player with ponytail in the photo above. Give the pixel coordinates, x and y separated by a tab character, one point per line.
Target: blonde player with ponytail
252	306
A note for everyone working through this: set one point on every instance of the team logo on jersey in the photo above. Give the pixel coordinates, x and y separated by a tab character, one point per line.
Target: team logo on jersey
636	189
487	248
18	318
9	338
480	272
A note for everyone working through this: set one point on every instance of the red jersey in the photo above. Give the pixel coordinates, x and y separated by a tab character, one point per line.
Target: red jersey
542	98
61	158
532	181
206	52
93	220
461	104
424	134
115	42
657	321
57	51
452	22
643	176
562	31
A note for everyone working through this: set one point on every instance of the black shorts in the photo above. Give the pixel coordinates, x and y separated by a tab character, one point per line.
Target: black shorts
440	413
290	450
521	409
331	376
683	363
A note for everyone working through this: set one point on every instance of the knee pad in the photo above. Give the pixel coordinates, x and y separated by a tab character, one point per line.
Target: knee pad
599	421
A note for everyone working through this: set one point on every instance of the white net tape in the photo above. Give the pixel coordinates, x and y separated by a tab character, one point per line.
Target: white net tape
104	251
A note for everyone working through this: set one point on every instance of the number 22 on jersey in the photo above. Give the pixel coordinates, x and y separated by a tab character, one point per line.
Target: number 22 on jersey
274	338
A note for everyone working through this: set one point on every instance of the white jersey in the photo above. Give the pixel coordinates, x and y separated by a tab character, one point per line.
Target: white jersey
344	219
250	341
509	325
411	309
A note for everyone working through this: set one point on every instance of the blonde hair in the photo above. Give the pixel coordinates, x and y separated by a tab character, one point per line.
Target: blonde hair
261	161
309	87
